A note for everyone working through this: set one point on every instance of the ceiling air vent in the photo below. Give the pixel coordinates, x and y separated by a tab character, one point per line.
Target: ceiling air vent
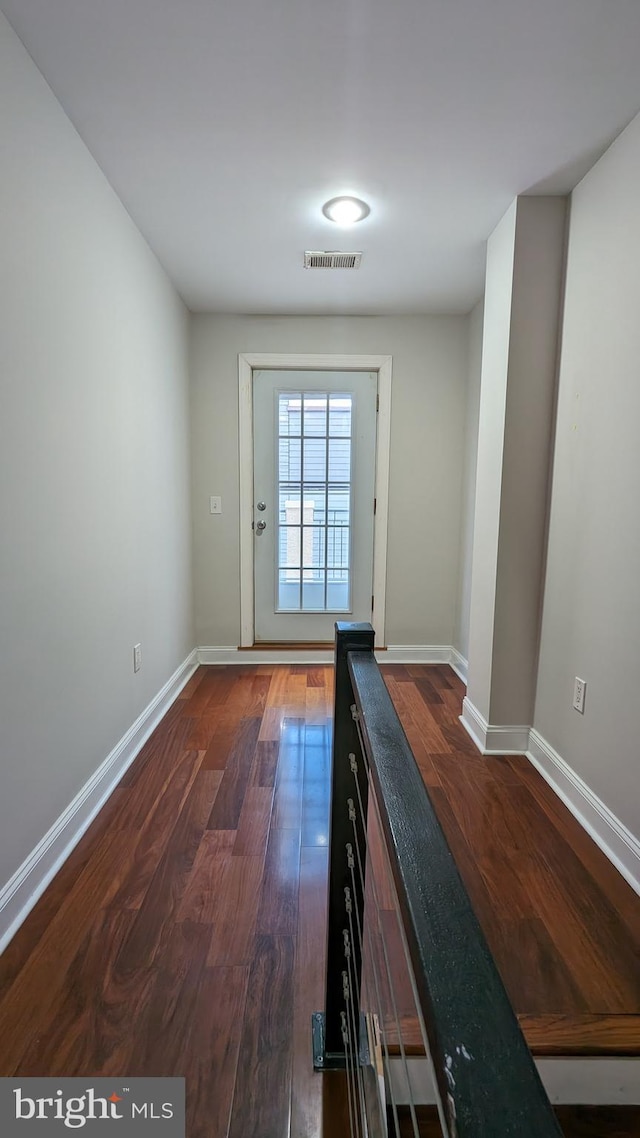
330	259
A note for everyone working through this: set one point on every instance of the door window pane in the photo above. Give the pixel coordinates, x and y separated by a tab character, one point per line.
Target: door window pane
314	460
340	415
289	459
315	415
314	495
339	460
289	414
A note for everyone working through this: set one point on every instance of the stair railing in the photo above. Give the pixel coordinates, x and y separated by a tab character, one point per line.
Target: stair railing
485	1081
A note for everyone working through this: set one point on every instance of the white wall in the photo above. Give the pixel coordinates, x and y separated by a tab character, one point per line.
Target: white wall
427	443
489	455
525	262
474	369
591	613
94	469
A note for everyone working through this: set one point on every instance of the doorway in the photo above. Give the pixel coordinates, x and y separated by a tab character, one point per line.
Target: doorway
314	442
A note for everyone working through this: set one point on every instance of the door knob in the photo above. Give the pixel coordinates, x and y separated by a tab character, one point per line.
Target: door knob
262	506
260	526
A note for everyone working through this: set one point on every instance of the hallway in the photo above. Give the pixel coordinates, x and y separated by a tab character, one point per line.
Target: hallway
185	934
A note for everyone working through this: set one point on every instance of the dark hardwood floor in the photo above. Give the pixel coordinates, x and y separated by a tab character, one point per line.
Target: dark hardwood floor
185	934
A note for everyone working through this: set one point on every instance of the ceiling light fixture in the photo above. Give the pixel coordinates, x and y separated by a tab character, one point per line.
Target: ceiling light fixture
345	210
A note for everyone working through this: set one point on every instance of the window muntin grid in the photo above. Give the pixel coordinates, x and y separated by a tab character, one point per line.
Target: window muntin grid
314	501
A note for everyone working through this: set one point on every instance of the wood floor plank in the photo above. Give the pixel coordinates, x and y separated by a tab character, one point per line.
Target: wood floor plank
271	726
214	680
200	900
428	691
310	964
164	1043
535	975
397	672
502	848
157	753
225	812
315	677
287	803
262	1097
193	683
479	895
254	821
165	893
278	911
214	1046
408	700
29	998
421	753
80	1029
237	908
558	1034
153	839
277	694
221	745
316	786
19	949
265	762
317	707
458	739
203	728
608	974
596	864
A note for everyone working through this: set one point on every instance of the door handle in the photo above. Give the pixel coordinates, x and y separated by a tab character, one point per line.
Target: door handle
260	526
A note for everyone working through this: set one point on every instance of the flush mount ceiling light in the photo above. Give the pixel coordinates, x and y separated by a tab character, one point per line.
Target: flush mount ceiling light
345	210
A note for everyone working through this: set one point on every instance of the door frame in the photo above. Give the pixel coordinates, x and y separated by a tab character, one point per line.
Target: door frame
248	362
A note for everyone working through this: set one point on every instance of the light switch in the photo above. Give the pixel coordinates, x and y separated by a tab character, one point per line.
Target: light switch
215	504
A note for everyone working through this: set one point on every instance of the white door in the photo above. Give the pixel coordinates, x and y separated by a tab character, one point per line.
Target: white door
314	439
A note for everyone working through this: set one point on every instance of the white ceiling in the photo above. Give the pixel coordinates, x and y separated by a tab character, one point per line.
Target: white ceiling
225	124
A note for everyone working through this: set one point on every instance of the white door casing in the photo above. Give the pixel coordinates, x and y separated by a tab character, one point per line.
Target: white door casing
247	363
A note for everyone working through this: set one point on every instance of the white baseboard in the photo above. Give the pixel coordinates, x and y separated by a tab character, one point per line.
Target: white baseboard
392	654
459	664
592	1081
416	654
614	839
490	738
229	654
29	882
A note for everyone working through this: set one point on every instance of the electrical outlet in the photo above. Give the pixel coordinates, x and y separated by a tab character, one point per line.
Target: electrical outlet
137	657
579	693
215	504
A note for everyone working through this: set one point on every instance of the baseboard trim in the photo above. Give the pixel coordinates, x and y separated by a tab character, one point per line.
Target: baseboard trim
590	1082
615	840
230	654
491	738
459	665
392	654
417	654
23	890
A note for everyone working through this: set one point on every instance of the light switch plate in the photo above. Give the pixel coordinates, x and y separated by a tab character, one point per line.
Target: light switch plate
215	504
